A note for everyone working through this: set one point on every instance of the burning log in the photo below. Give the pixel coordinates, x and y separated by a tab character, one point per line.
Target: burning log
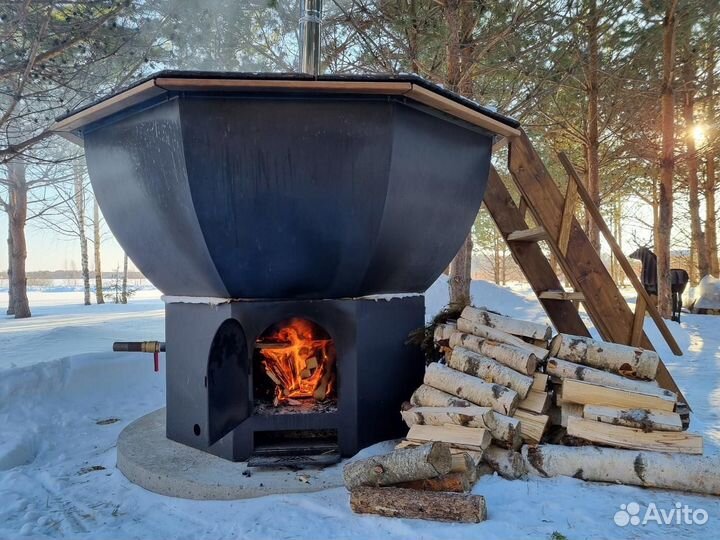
480	330
682	472
404	465
621	359
409	503
514	357
495	396
489	370
515	327
427	396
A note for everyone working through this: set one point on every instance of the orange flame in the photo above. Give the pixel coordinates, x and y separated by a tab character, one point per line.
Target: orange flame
300	364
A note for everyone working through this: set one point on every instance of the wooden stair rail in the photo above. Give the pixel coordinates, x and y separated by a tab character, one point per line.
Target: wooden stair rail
579	260
647	303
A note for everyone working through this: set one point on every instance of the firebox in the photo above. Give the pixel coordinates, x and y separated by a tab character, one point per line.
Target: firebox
293	223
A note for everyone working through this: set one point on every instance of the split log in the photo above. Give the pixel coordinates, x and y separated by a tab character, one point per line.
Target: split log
621	359
540	382
594	394
473	416
425	461
532	426
495	396
569	370
509	355
485	332
507	324
645	419
569	409
507	463
682	472
456	436
632	438
537	402
427	396
409	503
486	368
454	482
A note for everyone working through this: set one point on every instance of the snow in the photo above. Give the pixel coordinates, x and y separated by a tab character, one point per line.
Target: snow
64	398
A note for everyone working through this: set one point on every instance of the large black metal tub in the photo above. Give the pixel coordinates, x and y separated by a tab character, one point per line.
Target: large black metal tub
286	194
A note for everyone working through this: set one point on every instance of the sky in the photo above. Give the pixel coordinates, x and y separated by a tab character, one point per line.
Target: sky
48	250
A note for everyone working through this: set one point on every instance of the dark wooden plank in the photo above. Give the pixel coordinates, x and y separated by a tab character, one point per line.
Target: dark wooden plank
582	264
530	258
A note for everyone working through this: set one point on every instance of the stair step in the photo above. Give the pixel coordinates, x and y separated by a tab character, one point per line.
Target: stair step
535	234
562	295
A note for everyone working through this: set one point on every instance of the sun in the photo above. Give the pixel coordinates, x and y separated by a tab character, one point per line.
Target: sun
699	133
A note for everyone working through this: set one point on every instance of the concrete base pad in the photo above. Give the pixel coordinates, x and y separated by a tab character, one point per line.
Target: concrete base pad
151	460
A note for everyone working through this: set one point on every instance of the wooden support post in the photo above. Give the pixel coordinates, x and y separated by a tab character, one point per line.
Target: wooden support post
567	216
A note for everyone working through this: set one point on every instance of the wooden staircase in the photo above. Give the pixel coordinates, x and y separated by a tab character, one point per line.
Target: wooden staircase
554	215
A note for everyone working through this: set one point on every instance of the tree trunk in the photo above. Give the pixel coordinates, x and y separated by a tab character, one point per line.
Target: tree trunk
698	237
460	275
124	294
99	296
593	138
17	218
11	305
460	23
710	181
80	208
667	164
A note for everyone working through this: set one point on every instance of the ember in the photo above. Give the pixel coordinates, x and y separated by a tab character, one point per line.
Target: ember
300	359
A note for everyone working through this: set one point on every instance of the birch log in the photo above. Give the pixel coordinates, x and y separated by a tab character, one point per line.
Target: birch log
427	396
505	430
507	463
514	357
486	368
645	419
682	472
622	359
424	461
409	503
506	324
444	331
485	332
472	416
495	396
569	370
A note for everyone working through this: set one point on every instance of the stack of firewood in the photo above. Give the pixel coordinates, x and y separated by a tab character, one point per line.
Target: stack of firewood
426	481
504	382
606	394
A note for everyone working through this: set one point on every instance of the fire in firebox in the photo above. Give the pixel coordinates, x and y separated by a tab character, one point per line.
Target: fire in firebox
299	357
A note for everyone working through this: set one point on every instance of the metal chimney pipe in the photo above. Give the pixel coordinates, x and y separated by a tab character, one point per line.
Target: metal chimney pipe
310	36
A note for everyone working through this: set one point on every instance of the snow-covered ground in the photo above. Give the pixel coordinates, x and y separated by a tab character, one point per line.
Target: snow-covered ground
64	398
